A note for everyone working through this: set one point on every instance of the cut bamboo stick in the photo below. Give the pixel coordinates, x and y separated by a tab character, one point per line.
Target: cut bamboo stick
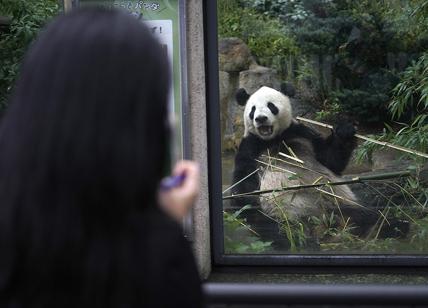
361	179
240	181
276	167
291	157
383	143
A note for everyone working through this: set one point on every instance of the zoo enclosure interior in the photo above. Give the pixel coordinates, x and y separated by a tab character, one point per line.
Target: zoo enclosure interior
372	212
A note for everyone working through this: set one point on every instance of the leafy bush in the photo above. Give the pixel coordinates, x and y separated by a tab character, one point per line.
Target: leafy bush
411	94
294	10
410	103
329	111
370	100
239	237
360	36
269	40
27	17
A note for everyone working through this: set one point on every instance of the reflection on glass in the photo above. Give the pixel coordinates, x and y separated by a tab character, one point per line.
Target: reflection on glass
324	125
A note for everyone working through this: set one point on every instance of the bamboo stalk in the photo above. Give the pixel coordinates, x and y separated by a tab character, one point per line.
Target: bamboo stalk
245	226
354	180
273	166
291	157
241	180
339	197
290	150
383	143
295	165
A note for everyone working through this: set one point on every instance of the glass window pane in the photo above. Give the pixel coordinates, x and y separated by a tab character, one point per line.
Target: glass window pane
324	126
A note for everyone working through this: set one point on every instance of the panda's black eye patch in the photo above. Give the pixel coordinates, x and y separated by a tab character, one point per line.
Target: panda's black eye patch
273	108
252	112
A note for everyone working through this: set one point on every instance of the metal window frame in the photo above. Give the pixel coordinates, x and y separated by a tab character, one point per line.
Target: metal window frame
216	204
305	294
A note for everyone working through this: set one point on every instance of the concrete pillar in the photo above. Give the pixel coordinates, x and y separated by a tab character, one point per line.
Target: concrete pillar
198	130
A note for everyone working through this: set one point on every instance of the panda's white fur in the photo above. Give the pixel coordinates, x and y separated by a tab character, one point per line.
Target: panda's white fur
278	171
269	131
259	99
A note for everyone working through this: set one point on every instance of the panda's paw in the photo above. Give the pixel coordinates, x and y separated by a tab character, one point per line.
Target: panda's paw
345	130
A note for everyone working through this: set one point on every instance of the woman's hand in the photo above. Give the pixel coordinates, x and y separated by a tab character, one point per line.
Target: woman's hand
177	201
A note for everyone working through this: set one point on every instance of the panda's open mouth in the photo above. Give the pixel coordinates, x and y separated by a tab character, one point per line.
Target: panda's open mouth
265	130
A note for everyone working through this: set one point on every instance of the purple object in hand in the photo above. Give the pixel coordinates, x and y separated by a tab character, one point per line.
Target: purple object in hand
172	181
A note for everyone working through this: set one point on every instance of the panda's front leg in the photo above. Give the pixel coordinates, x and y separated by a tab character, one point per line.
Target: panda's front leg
245	177
335	151
246	180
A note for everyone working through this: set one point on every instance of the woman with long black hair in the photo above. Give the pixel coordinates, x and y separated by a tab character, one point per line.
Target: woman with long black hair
83	147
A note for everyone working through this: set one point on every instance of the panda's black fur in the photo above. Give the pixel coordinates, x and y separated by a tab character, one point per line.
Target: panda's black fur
330	155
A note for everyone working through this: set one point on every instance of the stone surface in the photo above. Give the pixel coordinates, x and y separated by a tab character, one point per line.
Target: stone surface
257	76
198	129
224	90
301	108
234	55
230	111
388	160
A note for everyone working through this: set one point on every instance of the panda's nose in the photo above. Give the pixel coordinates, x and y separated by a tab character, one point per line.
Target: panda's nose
261	119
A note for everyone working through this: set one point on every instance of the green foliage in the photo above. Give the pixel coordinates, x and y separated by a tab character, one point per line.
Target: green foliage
419	235
380	28
239	237
364	152
323	36
295	231
411	94
413	136
269	40
366	106
361	35
331	234
329	110
410	104
294	10
27	17
334	234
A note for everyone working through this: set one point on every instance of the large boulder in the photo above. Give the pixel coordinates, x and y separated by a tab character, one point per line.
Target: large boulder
234	55
257	76
229	111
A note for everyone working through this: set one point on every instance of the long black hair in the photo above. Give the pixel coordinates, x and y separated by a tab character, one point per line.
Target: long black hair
82	150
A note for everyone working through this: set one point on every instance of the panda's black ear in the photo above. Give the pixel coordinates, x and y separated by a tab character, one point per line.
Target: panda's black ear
241	96
288	89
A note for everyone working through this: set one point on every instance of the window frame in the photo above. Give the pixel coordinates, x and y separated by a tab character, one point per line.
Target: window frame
215	182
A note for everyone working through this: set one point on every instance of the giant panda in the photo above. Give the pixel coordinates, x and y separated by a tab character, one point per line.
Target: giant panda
270	132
